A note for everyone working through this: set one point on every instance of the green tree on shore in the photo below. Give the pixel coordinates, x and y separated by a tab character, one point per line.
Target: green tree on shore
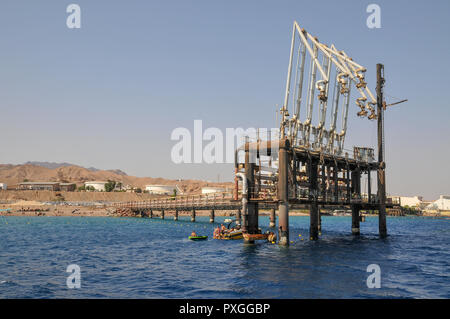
109	186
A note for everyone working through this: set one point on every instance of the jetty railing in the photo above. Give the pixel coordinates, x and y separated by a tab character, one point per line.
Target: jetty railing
184	202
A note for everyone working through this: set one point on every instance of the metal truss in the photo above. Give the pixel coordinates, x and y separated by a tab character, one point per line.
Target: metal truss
327	65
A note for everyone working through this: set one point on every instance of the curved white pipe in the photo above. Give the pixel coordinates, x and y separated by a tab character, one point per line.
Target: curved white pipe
244	183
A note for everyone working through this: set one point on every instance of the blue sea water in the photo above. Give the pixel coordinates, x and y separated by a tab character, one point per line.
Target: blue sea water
152	258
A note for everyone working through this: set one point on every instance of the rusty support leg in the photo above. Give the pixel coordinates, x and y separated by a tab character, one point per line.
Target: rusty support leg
314	208
272	218
162	214
283	194
193	215
211	216
151	213
176	215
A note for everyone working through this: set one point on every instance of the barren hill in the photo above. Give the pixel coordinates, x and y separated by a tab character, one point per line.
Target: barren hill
14	174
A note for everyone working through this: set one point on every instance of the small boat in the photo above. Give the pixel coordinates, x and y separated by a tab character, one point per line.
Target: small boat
198	237
237	234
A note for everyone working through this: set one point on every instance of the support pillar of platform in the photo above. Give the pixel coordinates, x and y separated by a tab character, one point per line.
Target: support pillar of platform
348	185
283	193
336	183
319	220
211	216
162	214
244	222
314	221
193	215
356	189
356	182
314	207
151	213
272	218
176	215
238	217
355	220
381	169
251	217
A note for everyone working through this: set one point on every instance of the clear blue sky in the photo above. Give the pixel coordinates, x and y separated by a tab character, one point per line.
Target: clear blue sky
109	94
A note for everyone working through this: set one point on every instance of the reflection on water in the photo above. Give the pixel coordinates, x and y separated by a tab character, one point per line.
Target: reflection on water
152	258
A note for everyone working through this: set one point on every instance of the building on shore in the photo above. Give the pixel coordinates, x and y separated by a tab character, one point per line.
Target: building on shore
211	190
67	187
415	201
97	185
41	186
3	186
443	203
161	189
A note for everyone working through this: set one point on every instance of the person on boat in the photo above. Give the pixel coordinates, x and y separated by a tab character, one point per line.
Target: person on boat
216	233
272	237
222	229
194	234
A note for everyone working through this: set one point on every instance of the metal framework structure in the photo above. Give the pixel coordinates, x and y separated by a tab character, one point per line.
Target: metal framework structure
329	68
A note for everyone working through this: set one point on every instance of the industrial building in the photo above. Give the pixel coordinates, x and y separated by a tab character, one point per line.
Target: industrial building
161	189
98	185
48	186
443	203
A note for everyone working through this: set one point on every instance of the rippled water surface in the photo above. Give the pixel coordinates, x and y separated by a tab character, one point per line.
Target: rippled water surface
152	258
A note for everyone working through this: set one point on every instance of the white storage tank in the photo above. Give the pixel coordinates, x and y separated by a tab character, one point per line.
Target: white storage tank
161	189
210	190
98	185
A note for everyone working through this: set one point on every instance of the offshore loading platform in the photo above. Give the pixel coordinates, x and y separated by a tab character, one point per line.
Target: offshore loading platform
307	165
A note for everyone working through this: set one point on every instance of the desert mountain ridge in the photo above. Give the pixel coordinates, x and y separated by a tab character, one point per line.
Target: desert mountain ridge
64	164
61	172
